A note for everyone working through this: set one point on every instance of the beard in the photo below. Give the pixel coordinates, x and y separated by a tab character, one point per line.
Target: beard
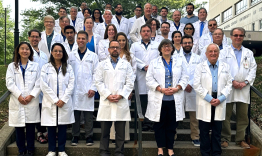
187	50
119	13
115	54
190	12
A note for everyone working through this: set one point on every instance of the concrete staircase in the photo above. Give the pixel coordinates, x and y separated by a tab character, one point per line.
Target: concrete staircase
182	147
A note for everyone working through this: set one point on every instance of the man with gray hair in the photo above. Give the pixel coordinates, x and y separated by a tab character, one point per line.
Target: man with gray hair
154	12
201	25
61	12
63	22
100	28
80	13
73	17
243	70
212	83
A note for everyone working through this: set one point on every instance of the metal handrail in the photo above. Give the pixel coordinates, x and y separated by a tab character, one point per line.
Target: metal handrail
3	97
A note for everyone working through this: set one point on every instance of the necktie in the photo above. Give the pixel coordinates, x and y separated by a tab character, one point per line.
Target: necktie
201	28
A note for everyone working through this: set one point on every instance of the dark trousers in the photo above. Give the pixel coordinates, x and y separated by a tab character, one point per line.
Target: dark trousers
30	137
144	101
165	129
120	137
61	138
38	126
88	118
212	146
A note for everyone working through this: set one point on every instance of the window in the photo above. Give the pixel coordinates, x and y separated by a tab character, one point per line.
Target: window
260	24
227	14
241	6
253	26
218	19
254	1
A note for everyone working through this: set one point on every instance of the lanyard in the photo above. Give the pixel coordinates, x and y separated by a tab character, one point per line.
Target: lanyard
168	66
84	28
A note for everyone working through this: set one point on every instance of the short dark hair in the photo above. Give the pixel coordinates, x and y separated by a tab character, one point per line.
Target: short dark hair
202	9
238	28
89	11
173	34
153	19
138	7
164	8
165	23
192	27
165	42
109	4
186	36
114	40
190	4
34	30
145	25
117	5
83	32
69	27
62	8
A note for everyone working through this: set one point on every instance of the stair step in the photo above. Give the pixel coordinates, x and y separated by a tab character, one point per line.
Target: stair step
181	148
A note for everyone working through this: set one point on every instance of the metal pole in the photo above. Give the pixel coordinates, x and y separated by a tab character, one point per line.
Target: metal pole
16	32
5	36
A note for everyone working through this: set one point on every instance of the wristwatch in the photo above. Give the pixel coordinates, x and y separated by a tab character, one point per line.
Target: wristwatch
246	82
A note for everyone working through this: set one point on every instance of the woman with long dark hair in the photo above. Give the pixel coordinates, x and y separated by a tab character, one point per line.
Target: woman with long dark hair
190	30
97	17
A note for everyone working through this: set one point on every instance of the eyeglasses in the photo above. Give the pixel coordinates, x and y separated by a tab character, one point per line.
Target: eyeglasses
56	51
119	8
112	48
238	35
153	25
167	46
37	37
138	10
96	13
185	43
210	25
64	21
49	22
188	28
165	27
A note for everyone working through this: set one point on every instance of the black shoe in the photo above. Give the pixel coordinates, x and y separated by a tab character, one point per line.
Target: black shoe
22	154
160	155
74	141
29	153
145	128
89	141
113	142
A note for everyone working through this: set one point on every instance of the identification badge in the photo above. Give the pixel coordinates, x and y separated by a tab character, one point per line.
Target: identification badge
246	63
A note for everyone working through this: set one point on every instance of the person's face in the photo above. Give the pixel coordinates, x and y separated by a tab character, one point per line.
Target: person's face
212	25
89	24
57	53
64	22
62	12
34	39
154	10
138	12
177	38
163	13
108	7
148	9
49	24
119	9
86	14
111	32
187	45
24	51
176	16
108	16
202	14
153	26
122	41
189	9
97	14
237	37
166	49
83	6
73	13
165	29
212	54
114	49
145	34
70	35
188	30
81	40
217	36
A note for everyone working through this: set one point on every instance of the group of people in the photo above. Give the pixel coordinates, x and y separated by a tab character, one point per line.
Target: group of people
184	65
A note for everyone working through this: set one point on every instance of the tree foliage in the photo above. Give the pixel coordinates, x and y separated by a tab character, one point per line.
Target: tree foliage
9	35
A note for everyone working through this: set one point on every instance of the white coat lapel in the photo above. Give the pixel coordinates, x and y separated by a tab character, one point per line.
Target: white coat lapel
44	38
220	67
206	67
109	64
191	58
86	54
54	36
232	52
243	56
76	54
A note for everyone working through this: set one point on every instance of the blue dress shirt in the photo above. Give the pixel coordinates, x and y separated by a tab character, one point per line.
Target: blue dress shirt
214	72
113	62
168	81
187	56
186	20
238	54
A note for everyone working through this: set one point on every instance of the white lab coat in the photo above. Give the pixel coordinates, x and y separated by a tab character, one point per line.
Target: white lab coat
41	59
123	26
101	28
144	56
173	28
190	98
103	49
156	77
176	52
203	86
118	81
20	114
197	29
76	22
222	54
241	74
84	79
48	84
195	46
57	27
57	38
97	38
206	40
158	38
80	15
67	47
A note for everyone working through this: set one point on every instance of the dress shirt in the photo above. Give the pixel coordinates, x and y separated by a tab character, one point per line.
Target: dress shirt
113	62
49	40
168	80
188	56
177	27
186	20
238	54
81	55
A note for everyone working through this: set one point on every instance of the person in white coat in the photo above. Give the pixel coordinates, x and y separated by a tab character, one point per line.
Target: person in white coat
61	12
243	70
165	29
22	80
80	13
93	38
49	36
114	81
176	25
57	84
201	26
73	16
110	34
144	51
166	79
190	30
176	40
155	12
81	25
97	17
34	37
163	17
155	25
70	43
131	21
63	22
120	21
212	83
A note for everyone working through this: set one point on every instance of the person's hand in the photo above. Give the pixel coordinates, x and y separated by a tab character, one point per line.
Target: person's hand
175	90
114	98
60	103
130	96
167	91
118	97
22	100
188	88
28	98
215	102
242	85
91	93
111	98
236	84
146	67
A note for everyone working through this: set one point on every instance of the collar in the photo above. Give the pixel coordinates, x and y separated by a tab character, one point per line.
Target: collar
146	18
50	34
236	48
112	61
209	64
202	21
136	17
176	25
210	33
188	53
163	20
190	17
80	51
145	43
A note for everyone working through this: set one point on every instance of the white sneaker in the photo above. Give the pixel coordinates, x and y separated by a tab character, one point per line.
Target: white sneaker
62	154
51	153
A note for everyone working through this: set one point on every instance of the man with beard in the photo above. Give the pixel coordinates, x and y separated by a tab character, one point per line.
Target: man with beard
154	12
176	25
163	17
121	22
201	26
165	28
190	17
114	81
70	44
